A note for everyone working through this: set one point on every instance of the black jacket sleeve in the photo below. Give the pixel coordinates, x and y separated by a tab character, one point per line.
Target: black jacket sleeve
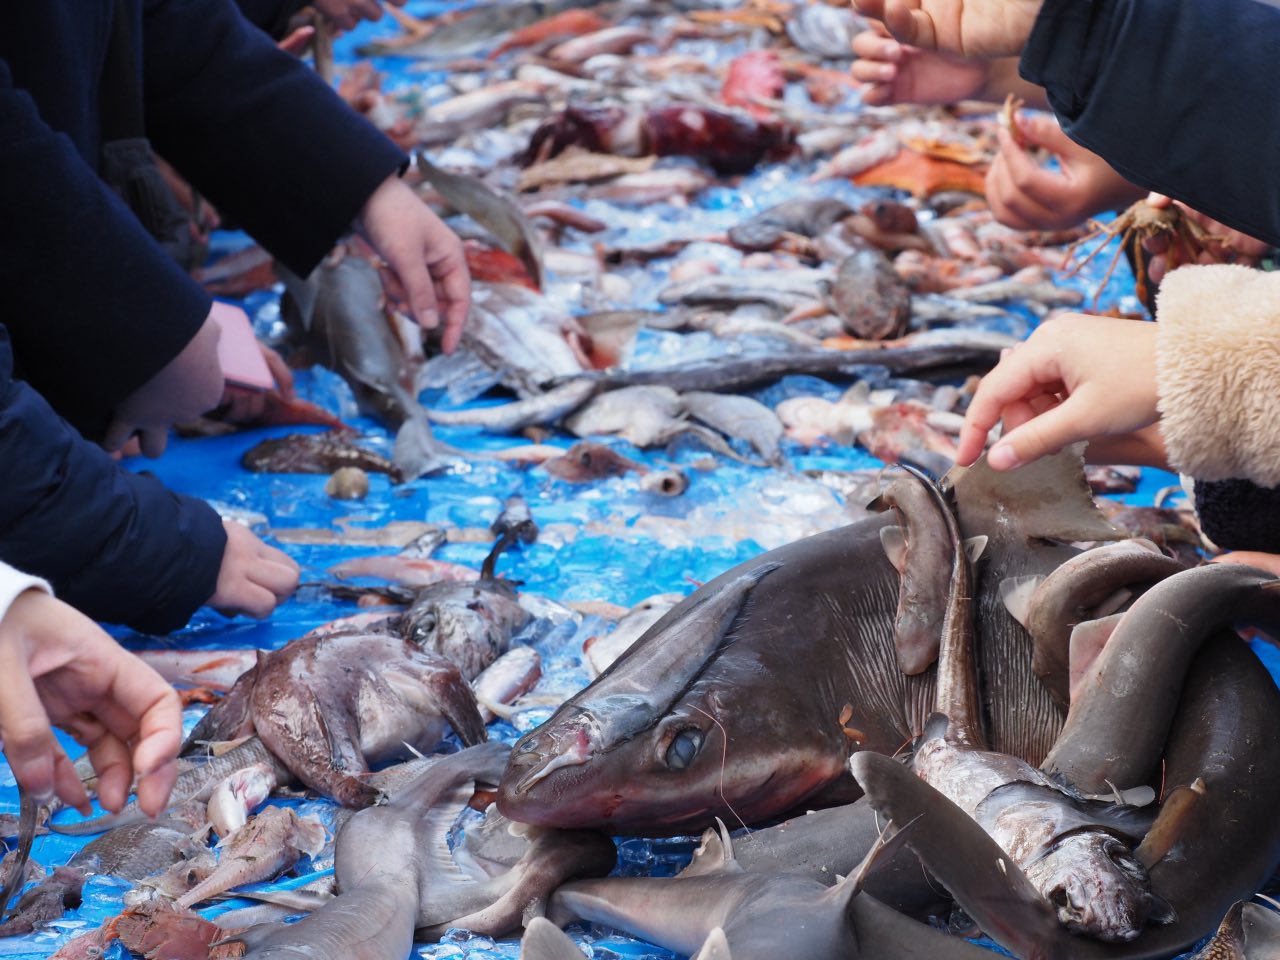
94	305
116	545
1179	97
270	16
256	130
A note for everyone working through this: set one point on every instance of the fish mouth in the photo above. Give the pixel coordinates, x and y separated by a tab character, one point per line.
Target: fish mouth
548	752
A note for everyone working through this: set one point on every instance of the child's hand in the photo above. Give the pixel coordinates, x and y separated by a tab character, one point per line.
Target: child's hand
57	665
970	28
1026	196
254	578
1222	244
1076	377
899	74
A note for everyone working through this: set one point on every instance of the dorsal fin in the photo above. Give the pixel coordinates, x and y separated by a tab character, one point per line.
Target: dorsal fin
1086	643
715	947
543	940
1016	593
1048	499
714	854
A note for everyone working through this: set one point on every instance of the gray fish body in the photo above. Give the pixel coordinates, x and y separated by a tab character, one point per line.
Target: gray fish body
740	417
545	408
138	850
747	373
511	329
469	624
644	416
807	217
783	289
870	297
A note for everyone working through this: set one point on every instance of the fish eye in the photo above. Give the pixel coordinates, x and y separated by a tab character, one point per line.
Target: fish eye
586	458
683	748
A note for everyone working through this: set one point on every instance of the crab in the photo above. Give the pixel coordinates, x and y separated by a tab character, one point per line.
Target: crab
1141	222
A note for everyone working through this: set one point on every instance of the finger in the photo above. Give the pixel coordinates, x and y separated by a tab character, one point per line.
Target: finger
280	578
155	788
1043	435
1042	189
297	41
67	785
280	371
1014	378
1158	200
876	45
24	727
252	600
371	10
1010	205
118	433
1156	269
877	95
874	71
419	289
152	442
1043	131
109	756
455	290
910	24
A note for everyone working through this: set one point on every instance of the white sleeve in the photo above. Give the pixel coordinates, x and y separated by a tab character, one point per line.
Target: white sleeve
14	582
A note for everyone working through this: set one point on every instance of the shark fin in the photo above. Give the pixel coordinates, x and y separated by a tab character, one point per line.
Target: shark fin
1183	811
975	547
543	940
1048	499
1087	640
1015	594
714	854
715	947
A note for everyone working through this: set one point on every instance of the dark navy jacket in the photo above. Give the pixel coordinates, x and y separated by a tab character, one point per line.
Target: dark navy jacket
1178	95
92	305
116	545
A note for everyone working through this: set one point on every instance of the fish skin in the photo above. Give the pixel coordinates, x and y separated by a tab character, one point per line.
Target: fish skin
215	669
197	782
644	415
1074	855
1070	593
922	593
409	571
870	297
515	332
587	460
848	631
742	418
498	214
326	722
807	216
504	680
467	624
314	453
477	32
546	408
269	843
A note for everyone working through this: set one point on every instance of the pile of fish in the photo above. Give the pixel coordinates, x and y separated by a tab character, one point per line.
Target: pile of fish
658	581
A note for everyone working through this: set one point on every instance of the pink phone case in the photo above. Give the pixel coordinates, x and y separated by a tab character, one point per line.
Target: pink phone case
242	362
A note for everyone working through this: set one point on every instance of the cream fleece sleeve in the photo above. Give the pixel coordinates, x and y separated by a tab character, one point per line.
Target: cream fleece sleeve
1218	372
14	582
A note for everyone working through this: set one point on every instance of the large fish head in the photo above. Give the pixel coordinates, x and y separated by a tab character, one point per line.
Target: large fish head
466	623
1097	887
710	754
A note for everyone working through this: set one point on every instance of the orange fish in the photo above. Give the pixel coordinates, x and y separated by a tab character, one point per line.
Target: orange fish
923	176
570	23
491	265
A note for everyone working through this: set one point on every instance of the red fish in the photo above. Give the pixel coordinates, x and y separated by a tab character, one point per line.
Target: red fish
753	77
491	265
570	23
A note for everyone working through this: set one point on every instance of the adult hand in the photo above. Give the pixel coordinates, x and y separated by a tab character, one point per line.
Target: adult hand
424	255
186	387
1221	244
895	73
242	405
970	28
254	578
1026	196
345	14
59	667
1076	377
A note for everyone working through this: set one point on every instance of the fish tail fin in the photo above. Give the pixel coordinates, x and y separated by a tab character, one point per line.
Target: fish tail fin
417	451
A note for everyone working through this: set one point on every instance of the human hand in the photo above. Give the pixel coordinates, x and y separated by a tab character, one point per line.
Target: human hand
1026	196
242	405
1218	243
425	256
345	14
59	667
186	387
1075	378
895	73
970	28
254	578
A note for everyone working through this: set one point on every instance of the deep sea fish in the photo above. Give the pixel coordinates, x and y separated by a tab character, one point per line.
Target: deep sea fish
315	453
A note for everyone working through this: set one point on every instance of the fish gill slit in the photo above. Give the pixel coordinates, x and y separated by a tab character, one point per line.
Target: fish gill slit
724	760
